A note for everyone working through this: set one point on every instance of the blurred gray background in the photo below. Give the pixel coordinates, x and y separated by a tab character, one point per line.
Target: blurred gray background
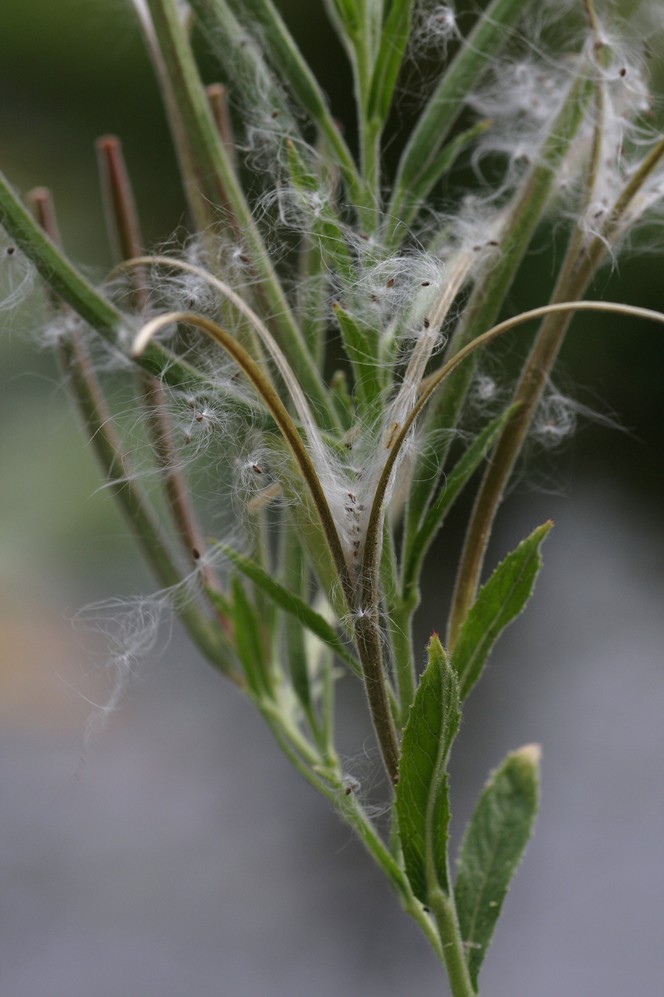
176	854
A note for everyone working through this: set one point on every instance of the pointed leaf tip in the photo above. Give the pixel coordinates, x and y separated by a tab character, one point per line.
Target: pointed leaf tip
498	602
530	753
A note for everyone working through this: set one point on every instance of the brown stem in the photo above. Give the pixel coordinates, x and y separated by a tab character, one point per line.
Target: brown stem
368	639
217	99
124	230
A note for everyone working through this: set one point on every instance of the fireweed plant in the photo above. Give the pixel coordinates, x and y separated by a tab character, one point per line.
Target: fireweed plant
285	404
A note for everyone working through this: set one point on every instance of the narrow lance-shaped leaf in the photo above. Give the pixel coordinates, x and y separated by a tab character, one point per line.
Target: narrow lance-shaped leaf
498	602
358	346
325	224
422	793
293	570
292	604
248	641
394	39
445	160
492	847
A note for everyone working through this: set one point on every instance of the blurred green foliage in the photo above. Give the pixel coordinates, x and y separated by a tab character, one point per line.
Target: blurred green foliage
74	70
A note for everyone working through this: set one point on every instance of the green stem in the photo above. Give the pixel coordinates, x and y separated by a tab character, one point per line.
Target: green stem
444	913
65	281
60	275
327	710
293	573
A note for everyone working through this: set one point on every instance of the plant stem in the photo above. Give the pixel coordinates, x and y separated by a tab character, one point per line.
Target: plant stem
368	637
65	281
58	273
444	912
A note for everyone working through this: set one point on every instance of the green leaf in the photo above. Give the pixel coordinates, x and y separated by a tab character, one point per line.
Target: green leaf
492	847
498	602
361	351
421	794
445	160
454	483
247	631
294	575
292	604
323	221
393	42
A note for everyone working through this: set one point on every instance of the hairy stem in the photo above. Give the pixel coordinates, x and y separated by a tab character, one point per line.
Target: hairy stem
444	912
369	638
